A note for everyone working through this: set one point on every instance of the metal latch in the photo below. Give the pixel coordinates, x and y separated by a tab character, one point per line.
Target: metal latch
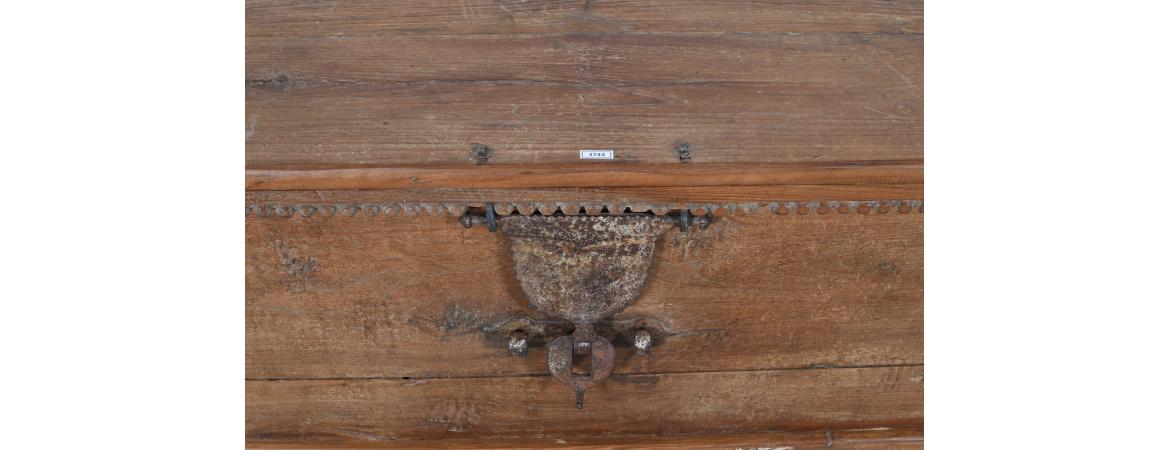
582	269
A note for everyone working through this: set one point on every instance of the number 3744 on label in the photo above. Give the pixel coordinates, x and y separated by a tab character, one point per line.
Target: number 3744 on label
596	154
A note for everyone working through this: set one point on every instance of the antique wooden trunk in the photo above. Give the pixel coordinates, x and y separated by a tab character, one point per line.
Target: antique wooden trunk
584	223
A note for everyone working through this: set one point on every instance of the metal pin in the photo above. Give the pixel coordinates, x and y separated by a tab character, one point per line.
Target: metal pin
684	152
642	341
480	153
518	343
491	217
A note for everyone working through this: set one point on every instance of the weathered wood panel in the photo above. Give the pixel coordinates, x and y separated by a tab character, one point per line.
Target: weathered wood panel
836	114
407	296
814	63
305	18
728	402
541	99
581	175
670	195
837	439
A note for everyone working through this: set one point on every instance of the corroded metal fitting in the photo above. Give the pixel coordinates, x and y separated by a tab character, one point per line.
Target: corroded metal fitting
582	269
642	341
518	343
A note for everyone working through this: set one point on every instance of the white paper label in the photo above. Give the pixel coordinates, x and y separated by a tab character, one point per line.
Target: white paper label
596	154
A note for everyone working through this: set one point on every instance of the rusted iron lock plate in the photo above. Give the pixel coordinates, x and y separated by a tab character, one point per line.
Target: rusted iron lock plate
582	269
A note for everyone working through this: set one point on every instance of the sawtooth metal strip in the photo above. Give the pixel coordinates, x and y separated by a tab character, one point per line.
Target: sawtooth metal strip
592	209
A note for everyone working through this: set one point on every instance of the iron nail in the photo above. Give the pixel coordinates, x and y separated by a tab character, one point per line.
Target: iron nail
642	341
518	343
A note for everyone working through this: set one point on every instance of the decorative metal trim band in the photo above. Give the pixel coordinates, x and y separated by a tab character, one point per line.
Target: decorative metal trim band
592	209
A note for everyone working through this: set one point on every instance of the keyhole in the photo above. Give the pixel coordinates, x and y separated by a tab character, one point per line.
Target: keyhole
582	365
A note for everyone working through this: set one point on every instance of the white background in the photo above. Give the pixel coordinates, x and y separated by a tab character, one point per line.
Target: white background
121	262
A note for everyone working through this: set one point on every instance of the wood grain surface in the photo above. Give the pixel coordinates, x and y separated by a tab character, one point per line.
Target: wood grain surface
664	404
817	63
581	175
760	98
407	296
674	195
531	124
838	439
300	18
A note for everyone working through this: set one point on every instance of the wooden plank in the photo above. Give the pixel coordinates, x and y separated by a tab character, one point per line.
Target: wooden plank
827	108
875	439
670	195
813	63
727	402
837	439
580	175
408	296
304	18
